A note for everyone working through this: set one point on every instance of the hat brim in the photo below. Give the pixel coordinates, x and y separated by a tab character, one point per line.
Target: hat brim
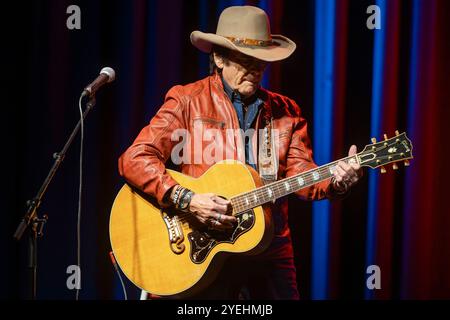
284	48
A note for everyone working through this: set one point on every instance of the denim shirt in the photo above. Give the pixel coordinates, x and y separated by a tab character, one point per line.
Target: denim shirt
245	120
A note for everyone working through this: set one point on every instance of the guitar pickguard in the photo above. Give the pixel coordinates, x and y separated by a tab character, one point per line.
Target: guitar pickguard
203	241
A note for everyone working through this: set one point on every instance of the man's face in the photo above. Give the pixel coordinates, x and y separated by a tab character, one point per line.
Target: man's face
243	73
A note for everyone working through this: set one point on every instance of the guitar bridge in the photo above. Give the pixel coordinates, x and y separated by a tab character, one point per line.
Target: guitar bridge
176	236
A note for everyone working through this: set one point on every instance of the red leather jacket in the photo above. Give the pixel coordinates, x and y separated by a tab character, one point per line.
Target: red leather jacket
202	105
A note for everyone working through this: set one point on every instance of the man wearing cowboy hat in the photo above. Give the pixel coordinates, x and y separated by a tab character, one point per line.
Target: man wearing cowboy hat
231	98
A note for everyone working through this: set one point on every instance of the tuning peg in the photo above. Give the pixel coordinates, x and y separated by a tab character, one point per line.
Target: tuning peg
383	169
374	140
406	163
397	133
394	166
385	136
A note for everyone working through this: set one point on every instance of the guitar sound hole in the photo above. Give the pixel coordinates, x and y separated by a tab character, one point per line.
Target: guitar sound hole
203	241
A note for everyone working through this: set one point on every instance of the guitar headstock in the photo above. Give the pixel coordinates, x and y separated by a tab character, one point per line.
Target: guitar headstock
393	150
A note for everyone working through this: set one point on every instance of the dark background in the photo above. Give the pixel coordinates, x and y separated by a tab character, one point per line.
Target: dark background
46	66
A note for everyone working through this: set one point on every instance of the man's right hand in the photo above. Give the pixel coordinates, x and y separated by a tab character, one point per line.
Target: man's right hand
211	210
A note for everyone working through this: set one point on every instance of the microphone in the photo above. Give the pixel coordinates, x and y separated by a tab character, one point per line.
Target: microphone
107	75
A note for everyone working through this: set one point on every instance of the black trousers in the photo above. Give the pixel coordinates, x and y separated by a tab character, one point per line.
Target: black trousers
243	277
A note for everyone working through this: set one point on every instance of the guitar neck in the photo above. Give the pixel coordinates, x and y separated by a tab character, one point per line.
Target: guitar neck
284	187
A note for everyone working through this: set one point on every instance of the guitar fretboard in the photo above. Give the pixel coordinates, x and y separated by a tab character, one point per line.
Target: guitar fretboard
281	188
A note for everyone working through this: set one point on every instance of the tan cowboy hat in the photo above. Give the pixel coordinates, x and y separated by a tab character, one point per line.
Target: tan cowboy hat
247	30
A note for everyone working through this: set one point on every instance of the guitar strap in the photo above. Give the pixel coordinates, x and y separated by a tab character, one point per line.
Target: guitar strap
267	155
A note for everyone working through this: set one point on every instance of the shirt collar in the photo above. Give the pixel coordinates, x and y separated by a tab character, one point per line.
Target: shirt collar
226	87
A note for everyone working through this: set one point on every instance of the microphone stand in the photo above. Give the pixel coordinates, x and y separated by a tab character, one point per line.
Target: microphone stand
31	219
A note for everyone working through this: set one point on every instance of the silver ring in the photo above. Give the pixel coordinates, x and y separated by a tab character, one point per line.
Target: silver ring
219	219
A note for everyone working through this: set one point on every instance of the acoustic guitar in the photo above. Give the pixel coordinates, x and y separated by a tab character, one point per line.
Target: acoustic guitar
168	253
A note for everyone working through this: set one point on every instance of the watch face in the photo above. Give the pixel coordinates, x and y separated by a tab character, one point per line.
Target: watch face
186	201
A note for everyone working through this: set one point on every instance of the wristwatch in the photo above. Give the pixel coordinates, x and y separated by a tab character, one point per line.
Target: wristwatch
185	200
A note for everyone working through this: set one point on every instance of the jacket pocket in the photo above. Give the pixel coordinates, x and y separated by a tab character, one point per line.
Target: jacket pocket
208	122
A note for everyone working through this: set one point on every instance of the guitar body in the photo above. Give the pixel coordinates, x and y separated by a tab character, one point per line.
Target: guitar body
168	253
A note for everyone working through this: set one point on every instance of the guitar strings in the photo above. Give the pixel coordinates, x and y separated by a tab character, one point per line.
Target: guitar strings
240	205
278	186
